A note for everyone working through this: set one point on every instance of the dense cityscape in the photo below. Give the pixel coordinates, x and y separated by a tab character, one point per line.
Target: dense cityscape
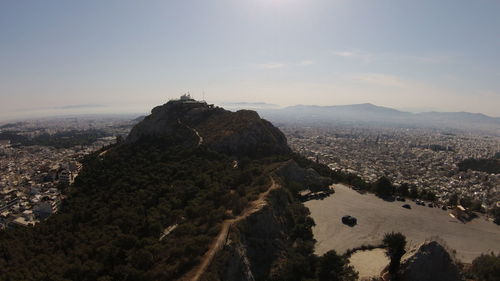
425	158
32	177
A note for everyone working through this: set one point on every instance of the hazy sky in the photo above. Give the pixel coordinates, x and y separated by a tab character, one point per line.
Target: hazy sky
127	56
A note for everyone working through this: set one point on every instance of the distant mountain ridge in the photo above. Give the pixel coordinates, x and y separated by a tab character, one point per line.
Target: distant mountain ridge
372	114
346	111
359	106
369	107
463	115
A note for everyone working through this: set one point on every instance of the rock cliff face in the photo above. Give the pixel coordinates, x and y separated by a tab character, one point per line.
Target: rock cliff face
257	248
241	133
292	172
430	262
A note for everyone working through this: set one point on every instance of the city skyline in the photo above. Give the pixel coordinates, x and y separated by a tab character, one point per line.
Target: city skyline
125	57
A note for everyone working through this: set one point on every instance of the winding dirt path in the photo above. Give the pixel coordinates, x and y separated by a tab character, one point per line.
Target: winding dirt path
200	138
104	152
220	240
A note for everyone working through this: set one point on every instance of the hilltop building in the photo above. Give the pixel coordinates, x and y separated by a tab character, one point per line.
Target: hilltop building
186	97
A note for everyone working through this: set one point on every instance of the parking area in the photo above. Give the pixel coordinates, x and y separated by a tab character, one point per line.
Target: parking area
376	217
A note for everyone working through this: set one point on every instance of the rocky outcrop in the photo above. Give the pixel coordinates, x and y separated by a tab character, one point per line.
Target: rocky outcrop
237	265
165	121
292	172
241	133
430	262
257	247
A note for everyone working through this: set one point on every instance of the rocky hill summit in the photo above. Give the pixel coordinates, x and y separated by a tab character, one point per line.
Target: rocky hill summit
190	122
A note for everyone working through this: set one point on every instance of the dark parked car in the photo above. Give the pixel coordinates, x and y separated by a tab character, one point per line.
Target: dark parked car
400	198
430	205
406	206
351	221
444	208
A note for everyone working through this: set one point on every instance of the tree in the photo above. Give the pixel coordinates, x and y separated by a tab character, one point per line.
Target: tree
395	244
428	195
383	187
496	215
453	200
414	192
359	183
404	190
466	201
477	206
486	267
333	267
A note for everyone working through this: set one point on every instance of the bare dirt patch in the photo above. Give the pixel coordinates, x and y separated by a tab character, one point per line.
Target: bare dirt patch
376	217
369	263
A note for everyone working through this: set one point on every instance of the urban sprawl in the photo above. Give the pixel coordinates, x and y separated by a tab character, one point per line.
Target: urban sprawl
425	158
33	177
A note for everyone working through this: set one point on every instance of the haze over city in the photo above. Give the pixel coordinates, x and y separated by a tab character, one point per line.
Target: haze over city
60	57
